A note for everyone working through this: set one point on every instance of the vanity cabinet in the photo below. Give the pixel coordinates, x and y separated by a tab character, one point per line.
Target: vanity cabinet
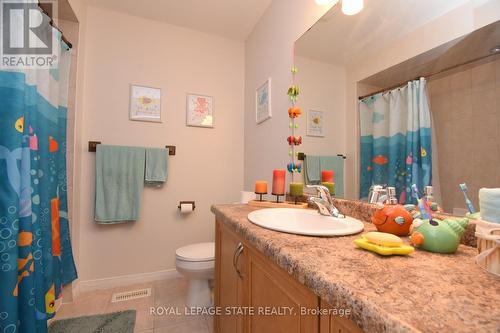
247	279
229	252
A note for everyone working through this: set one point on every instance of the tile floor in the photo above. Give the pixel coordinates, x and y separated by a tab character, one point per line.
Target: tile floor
168	293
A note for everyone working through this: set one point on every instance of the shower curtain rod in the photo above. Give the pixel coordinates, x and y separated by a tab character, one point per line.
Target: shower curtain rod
64	39
427	76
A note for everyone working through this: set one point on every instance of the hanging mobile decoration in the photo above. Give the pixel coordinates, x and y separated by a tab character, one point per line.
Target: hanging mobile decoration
293	112
296	189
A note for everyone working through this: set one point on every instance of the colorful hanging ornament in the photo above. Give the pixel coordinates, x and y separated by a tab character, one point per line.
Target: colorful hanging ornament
293	93
294	140
294	167
294	112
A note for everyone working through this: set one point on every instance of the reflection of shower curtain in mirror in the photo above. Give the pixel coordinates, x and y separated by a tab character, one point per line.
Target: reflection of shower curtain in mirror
395	140
36	258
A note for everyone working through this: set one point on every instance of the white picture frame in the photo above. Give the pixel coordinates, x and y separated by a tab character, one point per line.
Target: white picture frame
315	123
263	102
199	110
145	103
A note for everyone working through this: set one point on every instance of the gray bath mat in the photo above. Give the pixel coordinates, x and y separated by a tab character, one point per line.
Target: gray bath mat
117	322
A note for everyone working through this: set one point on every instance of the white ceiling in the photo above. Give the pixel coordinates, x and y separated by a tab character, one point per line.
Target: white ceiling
234	19
339	39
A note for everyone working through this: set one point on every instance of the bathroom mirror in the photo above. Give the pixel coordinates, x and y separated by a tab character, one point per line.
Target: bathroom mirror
402	108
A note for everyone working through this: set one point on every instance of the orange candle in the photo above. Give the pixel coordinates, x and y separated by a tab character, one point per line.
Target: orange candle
261	187
279	182
327	176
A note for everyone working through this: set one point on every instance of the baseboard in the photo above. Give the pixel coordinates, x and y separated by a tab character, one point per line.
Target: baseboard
75	289
58	304
123	280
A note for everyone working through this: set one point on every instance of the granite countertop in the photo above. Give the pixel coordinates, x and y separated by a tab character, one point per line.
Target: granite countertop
422	292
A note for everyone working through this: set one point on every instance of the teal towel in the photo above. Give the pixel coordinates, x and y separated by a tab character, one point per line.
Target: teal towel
335	163
489	203
312	170
119	183
156	166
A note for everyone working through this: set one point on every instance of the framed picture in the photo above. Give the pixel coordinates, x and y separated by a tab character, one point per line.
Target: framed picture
315	123
145	103
263	102
199	110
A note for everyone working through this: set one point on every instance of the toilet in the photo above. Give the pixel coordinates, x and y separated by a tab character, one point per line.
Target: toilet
196	263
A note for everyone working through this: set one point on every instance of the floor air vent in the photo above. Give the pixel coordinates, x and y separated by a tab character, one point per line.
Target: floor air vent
128	295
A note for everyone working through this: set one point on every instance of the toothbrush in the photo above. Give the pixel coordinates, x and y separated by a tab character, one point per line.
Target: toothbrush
422	204
468	202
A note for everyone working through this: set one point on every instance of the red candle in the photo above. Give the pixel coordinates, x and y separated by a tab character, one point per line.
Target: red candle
279	182
327	176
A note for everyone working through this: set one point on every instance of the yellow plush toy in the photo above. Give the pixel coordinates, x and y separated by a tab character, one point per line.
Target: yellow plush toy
383	243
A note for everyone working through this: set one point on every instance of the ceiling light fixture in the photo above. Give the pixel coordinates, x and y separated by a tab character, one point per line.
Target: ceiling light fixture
351	7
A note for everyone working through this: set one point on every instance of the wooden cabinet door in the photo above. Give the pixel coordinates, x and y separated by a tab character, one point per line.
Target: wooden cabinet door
228	283
267	286
335	324
344	325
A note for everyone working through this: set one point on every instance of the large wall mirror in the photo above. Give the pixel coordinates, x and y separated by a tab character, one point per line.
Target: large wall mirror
432	119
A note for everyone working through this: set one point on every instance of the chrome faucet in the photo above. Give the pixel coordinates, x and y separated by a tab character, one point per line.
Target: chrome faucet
324	202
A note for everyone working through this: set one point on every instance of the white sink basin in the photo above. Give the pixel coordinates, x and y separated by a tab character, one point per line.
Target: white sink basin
304	222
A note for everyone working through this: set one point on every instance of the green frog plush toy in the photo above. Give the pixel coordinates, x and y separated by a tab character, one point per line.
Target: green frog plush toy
440	236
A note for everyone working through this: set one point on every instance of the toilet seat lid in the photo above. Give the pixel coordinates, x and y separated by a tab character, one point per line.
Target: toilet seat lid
197	252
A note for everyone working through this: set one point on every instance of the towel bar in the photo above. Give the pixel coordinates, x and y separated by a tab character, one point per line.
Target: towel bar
93	146
301	156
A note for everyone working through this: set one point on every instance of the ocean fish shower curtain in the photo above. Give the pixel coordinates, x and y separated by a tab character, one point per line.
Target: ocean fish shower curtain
36	258
395	140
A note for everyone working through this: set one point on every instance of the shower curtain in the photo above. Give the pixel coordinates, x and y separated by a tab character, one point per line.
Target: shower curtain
395	140
36	258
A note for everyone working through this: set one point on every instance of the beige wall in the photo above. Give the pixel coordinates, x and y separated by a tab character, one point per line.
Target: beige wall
463	20
208	168
269	53
322	88
466	111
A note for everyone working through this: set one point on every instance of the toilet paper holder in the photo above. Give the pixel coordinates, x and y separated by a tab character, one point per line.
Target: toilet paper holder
192	203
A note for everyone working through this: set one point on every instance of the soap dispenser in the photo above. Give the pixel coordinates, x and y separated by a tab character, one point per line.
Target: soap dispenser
391	196
392	217
429	197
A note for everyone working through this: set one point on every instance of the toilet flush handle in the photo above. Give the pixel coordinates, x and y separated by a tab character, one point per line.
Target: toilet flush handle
236	258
